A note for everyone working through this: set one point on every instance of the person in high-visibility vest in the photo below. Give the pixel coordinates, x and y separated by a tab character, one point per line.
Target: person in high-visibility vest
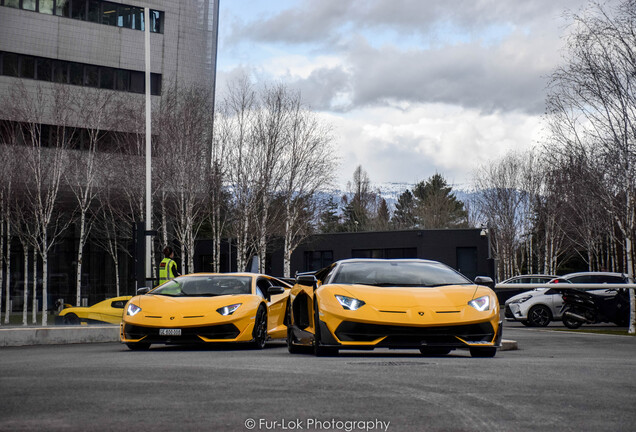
168	267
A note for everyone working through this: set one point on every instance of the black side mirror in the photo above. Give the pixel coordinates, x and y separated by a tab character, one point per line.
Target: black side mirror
485	280
143	290
275	290
306	280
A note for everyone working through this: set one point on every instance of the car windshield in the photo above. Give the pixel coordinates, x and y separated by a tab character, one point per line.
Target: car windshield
397	274
205	286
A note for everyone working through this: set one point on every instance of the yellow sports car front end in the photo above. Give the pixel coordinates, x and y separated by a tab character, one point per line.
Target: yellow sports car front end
366	304
233	307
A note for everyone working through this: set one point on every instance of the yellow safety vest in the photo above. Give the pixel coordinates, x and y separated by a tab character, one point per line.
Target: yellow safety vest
167	270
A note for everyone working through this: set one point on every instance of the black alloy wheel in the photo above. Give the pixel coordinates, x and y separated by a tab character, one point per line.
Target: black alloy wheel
319	349
71	319
260	328
539	316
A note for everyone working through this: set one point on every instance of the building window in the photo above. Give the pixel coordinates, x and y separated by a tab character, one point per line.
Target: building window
106	78
10	64
47	6
94	11
91	77
155	84
156	21
109	13
18	65
316	260
122	81
60	71
137	82
43	69
27	67
76	74
29	5
63	8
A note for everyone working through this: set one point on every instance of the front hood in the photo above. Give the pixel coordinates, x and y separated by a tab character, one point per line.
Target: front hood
184	306
449	296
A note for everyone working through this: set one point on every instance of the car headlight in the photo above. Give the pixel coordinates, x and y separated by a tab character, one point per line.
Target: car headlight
132	310
522	299
481	303
228	310
350	303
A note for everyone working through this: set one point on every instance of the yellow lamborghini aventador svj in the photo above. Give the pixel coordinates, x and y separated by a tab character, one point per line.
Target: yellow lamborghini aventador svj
409	303
230	307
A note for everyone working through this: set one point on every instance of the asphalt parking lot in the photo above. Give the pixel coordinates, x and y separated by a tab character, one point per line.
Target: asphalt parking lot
556	381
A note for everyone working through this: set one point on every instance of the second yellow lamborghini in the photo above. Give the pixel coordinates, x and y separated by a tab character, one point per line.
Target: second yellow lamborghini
207	307
371	303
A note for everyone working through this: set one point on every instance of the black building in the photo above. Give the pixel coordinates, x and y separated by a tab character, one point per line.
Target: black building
465	250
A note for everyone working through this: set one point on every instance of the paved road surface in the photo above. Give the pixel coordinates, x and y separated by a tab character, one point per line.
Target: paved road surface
555	382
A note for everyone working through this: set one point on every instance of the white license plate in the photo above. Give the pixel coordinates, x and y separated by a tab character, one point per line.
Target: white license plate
169	332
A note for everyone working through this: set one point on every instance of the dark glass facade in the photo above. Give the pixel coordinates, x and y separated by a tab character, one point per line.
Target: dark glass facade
43	69
97	11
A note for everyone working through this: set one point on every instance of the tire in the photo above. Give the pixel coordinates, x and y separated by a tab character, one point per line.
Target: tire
433	352
539	316
525	323
319	349
293	349
138	346
71	319
260	329
486	352
571	324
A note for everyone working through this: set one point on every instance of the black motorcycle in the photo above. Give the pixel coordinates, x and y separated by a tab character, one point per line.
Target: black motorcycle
582	307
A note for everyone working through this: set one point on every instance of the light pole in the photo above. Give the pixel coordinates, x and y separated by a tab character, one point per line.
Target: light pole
148	146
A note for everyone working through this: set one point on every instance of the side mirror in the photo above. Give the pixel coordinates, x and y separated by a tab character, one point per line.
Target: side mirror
306	280
275	290
143	290
484	280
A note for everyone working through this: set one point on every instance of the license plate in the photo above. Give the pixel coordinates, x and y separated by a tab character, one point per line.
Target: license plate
169	332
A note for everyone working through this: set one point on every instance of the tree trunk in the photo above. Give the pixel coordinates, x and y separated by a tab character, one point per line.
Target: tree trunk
7	306
35	286
80	254
25	279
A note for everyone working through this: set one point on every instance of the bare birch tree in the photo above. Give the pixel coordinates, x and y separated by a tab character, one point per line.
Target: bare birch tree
592	110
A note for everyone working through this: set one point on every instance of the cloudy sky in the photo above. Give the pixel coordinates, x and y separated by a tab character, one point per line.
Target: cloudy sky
410	87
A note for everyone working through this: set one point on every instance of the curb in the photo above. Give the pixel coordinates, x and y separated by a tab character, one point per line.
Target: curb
509	345
58	335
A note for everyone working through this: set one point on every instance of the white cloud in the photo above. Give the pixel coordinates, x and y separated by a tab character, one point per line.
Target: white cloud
410	145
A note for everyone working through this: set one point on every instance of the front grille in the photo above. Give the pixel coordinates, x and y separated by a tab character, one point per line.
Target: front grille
414	336
188	334
508	312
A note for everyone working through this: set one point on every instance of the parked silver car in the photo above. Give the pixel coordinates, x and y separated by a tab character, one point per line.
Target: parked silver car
540	306
504	294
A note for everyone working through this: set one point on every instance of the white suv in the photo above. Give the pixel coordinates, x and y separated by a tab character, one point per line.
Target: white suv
540	306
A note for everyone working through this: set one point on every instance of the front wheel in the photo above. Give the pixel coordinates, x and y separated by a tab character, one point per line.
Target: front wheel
539	316
483	352
260	329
